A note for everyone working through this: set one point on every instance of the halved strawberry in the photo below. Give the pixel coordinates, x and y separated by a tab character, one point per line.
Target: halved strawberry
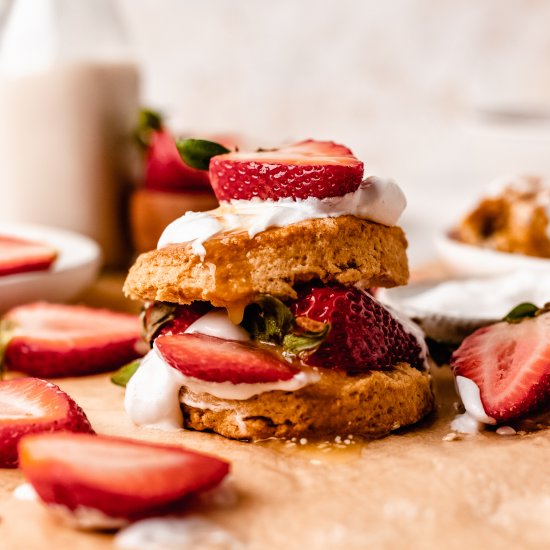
121	478
510	364
30	405
166	171
309	168
215	360
363	336
49	340
21	256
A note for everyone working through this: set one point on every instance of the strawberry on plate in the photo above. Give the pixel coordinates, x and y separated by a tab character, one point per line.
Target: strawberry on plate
213	359
363	336
120	478
52	340
309	168
510	364
21	256
30	405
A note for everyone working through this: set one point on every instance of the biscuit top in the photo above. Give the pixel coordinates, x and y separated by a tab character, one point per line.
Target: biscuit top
376	200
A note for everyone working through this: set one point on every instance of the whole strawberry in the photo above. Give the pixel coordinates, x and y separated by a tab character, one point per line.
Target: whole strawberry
363	334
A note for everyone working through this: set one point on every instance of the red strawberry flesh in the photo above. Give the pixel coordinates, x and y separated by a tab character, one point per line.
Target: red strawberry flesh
121	478
510	363
166	171
215	360
22	256
310	168
364	335
51	340
30	405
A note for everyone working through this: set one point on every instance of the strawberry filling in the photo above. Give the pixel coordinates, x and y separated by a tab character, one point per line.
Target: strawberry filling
332	327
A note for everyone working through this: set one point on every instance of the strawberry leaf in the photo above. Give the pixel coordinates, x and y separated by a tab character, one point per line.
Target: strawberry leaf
520	312
149	122
122	376
305	342
268	320
197	153
153	318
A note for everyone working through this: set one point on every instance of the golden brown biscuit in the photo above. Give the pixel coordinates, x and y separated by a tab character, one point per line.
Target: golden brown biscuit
370	405
237	268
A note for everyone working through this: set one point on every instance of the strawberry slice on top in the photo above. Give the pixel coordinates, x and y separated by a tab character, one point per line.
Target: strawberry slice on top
212	359
51	340
30	405
310	168
122	478
21	256
510	364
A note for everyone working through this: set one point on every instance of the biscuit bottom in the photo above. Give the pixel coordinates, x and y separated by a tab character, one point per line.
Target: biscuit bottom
370	405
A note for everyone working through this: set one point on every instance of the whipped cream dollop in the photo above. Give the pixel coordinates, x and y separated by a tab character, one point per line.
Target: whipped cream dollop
152	394
376	199
173	533
475	416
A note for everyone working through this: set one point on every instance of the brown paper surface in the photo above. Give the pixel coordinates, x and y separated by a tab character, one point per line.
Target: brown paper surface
408	490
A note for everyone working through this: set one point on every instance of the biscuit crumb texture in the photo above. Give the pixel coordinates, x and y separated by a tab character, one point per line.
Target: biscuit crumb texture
236	268
369	405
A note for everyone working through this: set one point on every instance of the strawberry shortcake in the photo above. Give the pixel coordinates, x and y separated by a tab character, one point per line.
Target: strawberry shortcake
258	313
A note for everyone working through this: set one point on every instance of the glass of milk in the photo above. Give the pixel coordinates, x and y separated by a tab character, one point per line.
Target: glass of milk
68	106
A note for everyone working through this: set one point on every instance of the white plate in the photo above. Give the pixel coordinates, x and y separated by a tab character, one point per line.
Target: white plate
467	259
437	325
75	268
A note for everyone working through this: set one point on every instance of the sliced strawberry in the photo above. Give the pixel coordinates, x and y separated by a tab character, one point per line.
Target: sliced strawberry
510	364
49	340
364	335
215	360
121	478
21	256
166	171
307	169
30	405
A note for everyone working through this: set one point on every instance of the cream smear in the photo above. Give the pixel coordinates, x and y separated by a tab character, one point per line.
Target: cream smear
475	416
170	533
152	394
376	199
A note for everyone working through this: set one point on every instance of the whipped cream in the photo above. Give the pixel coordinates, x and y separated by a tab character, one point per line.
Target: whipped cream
376	199
83	517
215	323
471	399
25	491
152	394
488	298
171	533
